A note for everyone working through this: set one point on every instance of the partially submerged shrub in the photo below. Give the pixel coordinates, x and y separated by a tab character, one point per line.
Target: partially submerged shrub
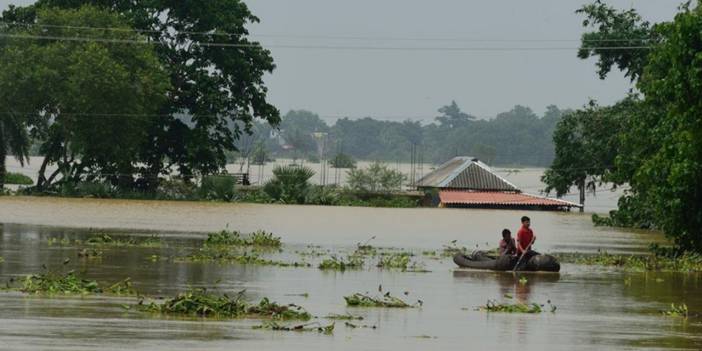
217	187
17	178
677	311
363	300
290	184
376	178
200	303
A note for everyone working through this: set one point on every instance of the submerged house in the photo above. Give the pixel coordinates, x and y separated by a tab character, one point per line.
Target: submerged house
466	182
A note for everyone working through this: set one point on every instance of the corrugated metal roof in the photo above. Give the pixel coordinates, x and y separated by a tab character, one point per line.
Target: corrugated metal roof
466	173
449	197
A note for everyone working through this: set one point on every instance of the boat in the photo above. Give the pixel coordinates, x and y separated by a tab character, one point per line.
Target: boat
483	260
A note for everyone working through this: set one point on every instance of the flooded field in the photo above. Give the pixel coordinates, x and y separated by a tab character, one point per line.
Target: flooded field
596	308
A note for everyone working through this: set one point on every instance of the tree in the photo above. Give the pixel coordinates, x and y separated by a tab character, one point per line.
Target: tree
215	74
290	184
376	178
660	147
587	141
453	117
91	102
14	139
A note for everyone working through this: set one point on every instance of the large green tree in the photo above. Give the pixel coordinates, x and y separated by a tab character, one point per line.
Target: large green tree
90	102
215	75
659	152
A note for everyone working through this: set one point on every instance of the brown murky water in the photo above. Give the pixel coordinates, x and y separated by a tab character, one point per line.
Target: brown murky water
596	308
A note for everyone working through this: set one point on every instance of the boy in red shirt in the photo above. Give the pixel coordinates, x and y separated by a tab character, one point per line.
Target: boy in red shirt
524	237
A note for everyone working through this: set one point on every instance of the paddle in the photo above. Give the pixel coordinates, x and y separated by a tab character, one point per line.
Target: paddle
523	253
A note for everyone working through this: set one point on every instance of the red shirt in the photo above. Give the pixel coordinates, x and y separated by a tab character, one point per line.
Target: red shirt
524	237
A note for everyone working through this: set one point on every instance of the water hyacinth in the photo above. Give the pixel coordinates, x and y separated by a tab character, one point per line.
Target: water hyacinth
494	306
340	264
200	303
234	238
363	300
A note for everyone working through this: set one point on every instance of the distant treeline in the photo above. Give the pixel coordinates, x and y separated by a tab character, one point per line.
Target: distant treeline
515	137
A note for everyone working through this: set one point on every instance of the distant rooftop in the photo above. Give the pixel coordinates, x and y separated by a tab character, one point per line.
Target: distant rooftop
466	173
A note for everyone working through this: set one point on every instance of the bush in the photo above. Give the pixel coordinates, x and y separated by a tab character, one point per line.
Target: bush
218	187
321	195
343	161
177	189
376	178
17	178
290	184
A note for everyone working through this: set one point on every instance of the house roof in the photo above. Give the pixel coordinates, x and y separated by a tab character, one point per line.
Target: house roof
482	198
466	173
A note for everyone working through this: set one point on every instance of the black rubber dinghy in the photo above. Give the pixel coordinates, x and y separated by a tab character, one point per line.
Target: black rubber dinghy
481	260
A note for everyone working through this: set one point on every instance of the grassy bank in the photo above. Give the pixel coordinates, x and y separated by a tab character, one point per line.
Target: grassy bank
653	262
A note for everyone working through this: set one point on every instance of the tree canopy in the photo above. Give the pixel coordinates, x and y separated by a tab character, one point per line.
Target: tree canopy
215	76
655	138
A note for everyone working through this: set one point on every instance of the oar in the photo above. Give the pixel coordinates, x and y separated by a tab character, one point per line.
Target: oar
522	256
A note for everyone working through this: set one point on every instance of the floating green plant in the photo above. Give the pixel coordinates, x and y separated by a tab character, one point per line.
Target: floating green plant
494	306
234	238
308	327
363	300
103	239
210	254
686	262
348	317
90	253
677	311
53	283
340	264
200	303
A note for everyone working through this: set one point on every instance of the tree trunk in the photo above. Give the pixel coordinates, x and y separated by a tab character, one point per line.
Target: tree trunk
581	187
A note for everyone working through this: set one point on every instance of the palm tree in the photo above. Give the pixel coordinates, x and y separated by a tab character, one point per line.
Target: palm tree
14	140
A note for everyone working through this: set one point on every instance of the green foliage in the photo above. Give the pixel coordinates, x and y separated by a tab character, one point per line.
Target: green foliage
453	117
494	306
17	178
655	262
213	93
363	300
63	84
660	153
218	187
376	178
342	160
200	303
107	240
340	264
260	155
290	184
584	141
259	238
314	326
395	261
680	310
55	283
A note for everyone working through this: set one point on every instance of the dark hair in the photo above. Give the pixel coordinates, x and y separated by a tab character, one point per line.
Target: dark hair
525	218
506	232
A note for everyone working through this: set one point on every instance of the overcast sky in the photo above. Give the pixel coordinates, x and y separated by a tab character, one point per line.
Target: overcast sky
401	84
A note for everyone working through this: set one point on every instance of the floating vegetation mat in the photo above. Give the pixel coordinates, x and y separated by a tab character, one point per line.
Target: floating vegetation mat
402	261
688	262
52	283
308	327
224	255
234	238
494	306
677	311
347	317
341	264
363	300
107	240
200	303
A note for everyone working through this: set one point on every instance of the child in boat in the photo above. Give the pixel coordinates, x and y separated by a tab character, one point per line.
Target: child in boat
507	245
525	238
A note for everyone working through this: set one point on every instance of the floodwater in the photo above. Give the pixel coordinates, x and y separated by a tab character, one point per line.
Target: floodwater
596	308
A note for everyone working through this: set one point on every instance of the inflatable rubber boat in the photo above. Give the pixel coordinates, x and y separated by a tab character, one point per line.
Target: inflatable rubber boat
481	260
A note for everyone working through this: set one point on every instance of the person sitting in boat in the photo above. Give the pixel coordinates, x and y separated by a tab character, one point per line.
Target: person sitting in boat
507	245
525	239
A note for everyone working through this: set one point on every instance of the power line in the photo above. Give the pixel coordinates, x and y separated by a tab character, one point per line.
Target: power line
328	37
322	47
